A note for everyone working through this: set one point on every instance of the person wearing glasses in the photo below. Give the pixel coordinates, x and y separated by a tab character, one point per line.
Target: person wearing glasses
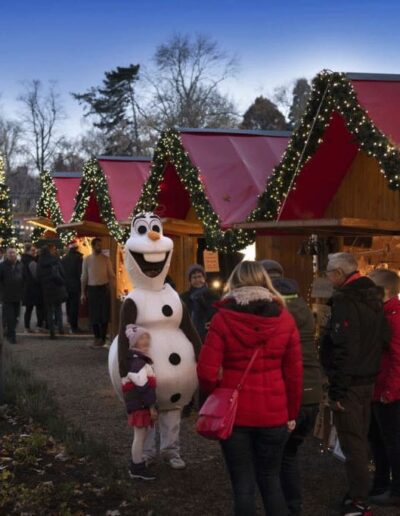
351	352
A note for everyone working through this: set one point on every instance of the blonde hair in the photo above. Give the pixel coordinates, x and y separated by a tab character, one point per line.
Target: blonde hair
252	274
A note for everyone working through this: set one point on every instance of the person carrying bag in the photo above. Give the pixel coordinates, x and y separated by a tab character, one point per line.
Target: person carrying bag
250	366
217	415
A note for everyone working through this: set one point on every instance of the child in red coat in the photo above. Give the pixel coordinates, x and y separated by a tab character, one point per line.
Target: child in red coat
385	427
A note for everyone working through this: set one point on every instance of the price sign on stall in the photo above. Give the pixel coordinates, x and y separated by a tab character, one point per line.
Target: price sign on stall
211	261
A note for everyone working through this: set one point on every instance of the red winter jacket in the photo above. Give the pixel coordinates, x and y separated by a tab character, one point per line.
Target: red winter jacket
388	380
272	391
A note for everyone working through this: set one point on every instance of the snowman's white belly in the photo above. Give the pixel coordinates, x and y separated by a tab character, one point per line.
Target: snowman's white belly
174	366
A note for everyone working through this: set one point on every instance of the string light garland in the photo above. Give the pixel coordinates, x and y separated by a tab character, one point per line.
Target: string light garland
47	206
331	92
8	236
94	182
170	149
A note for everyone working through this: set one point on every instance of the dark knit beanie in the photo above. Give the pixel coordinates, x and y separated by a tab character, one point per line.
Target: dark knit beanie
272	266
196	268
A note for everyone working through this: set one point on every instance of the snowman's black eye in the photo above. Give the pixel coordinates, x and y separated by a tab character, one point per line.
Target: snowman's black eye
142	230
156	228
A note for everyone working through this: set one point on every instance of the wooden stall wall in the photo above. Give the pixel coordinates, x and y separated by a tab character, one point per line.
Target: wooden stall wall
364	193
184	255
284	249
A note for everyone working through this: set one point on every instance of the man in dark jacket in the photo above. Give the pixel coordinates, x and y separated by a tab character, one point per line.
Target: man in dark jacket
12	283
351	352
32	296
199	300
312	383
51	276
72	263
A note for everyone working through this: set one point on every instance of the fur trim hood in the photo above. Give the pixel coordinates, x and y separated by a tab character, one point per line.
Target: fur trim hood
247	295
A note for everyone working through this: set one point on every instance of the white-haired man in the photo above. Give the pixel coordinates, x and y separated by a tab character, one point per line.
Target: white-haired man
351	353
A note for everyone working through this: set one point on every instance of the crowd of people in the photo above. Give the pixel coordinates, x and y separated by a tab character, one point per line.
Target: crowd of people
357	360
41	281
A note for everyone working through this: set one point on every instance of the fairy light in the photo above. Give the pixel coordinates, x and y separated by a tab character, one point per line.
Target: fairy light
48	207
94	183
8	236
170	149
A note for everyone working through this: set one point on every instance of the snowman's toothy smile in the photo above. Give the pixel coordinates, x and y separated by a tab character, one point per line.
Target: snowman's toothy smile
154	257
151	264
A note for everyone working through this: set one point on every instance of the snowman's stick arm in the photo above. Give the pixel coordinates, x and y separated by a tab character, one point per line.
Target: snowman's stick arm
127	316
189	330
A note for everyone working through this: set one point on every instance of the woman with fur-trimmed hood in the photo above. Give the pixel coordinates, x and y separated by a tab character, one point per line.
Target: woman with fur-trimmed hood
252	315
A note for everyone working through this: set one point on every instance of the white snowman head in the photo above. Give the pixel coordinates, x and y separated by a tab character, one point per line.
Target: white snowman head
148	252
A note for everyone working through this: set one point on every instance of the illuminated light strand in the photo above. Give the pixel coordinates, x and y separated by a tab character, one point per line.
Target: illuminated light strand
48	206
94	182
8	237
170	149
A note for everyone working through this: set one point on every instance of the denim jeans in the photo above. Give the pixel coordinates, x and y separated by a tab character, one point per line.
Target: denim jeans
253	457
385	444
290	471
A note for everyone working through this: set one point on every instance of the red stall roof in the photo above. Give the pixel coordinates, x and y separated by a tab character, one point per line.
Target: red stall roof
319	179
67	184
125	177
233	166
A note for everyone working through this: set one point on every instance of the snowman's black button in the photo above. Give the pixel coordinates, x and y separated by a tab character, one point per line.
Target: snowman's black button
167	310
174	359
175	397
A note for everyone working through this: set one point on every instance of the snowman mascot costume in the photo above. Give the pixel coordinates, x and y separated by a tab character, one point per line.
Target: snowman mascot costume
156	306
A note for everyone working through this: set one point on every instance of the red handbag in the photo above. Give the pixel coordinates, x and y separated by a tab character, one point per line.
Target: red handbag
217	415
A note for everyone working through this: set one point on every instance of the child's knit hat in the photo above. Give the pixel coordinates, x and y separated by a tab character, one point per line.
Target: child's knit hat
134	332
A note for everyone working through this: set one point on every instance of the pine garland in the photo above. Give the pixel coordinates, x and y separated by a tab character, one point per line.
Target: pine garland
93	181
8	236
331	92
48	206
169	149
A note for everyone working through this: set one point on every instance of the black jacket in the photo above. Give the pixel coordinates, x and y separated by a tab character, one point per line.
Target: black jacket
301	312
72	263
200	303
356	334
31	285
11	281
51	276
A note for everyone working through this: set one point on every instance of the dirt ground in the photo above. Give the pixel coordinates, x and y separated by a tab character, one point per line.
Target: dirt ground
78	378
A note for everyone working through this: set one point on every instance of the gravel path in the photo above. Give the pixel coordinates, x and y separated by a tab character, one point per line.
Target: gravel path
78	378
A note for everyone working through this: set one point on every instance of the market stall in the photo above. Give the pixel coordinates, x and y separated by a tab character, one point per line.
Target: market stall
336	187
106	198
202	182
56	202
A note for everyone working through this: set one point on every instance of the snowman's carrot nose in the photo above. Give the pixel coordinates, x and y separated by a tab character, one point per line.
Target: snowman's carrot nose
153	235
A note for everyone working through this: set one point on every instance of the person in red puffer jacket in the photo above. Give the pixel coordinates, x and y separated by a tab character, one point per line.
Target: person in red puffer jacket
252	315
385	425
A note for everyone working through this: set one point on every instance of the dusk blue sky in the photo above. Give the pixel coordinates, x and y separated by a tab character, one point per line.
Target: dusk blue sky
73	42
